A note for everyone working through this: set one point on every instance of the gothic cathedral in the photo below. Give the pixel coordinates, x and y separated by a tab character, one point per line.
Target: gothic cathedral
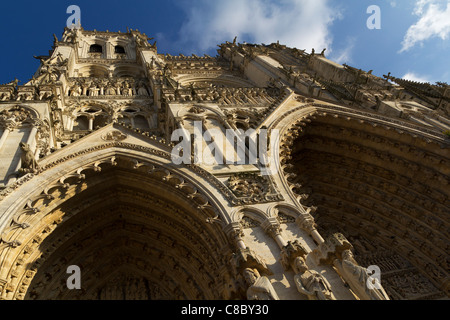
355	205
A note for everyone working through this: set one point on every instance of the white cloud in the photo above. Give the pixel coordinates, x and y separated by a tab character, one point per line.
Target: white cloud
434	21
344	55
415	77
303	24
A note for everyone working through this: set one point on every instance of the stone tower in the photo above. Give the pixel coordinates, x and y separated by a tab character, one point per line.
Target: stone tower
355	204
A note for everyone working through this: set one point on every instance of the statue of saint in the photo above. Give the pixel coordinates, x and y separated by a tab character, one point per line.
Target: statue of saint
127	91
110	90
357	277
93	90
311	283
76	91
260	288
142	91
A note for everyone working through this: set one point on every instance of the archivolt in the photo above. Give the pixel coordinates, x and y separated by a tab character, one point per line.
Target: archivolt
150	208
382	182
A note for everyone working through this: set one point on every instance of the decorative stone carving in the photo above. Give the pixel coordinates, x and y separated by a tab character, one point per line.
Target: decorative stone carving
247	258
333	247
284	218
50	69
114	135
253	188
235	232
246	187
306	222
247	223
260	287
114	88
16	115
6	93
28	161
196	110
290	253
357	277
311	283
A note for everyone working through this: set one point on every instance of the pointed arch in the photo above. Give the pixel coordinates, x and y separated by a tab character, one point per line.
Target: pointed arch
381	182
124	196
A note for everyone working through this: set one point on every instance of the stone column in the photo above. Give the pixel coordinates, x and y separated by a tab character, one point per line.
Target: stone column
8	128
235	233
67	121
150	122
91	123
70	122
306	222
272	227
32	137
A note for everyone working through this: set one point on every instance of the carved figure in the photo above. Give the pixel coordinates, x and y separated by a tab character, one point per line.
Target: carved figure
357	277
260	288
311	283
59	130
142	91
127	91
76	91
5	96
111	91
70	35
29	163
93	90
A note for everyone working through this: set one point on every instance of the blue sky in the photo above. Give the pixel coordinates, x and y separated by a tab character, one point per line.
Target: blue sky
413	41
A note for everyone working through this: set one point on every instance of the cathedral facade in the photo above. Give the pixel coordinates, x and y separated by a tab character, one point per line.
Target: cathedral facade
355	207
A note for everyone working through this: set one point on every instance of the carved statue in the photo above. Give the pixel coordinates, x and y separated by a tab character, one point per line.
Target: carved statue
25	96
111	91
118	88
59	130
357	277
142	91
260	288
311	283
76	91
127	91
141	42
29	163
48	71
93	90
70	35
